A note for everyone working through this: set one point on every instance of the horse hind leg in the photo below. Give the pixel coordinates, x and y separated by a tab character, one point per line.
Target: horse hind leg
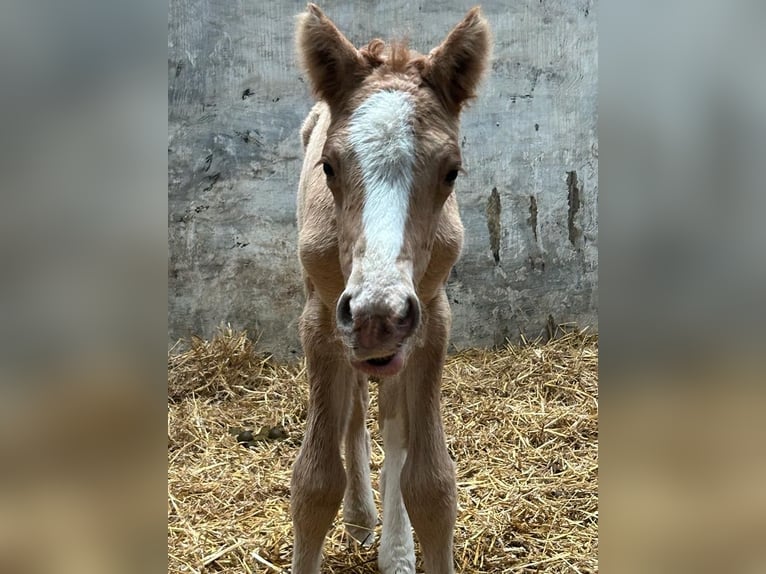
397	548
359	512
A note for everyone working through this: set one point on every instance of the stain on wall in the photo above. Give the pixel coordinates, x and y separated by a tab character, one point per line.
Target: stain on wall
493	223
532	219
236	101
573	201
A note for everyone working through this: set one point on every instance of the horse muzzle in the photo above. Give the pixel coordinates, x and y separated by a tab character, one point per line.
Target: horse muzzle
377	330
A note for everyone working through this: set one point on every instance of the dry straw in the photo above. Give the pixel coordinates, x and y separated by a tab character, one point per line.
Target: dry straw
521	422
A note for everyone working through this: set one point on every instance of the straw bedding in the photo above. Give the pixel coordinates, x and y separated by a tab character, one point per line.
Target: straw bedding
521	423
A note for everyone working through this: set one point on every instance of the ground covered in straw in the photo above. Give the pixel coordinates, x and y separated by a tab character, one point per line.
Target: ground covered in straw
521	422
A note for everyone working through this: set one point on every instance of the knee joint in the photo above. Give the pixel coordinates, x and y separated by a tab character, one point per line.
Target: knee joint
431	490
317	483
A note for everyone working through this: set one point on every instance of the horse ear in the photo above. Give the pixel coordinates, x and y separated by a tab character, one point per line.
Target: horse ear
333	64
457	64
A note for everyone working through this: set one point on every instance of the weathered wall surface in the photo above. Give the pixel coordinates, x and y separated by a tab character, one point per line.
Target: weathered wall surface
236	101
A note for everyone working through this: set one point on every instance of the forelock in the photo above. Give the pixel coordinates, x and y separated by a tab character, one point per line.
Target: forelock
393	58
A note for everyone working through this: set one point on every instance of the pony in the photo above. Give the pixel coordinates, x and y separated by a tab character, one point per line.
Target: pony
378	234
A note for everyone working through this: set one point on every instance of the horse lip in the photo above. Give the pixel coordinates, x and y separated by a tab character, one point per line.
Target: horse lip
391	368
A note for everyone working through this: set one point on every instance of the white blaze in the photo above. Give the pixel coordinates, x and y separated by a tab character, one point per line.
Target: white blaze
381	136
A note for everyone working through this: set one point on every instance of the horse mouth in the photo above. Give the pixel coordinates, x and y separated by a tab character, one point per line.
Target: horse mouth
386	366
380	361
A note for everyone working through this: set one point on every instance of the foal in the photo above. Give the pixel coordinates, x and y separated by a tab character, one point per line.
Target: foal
379	231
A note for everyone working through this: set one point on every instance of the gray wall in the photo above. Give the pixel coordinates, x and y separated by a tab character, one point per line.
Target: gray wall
236	101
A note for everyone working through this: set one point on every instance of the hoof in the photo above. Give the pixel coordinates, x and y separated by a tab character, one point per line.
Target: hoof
397	566
396	558
364	537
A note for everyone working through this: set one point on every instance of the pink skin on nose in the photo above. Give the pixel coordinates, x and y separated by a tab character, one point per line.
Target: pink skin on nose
370	333
376	332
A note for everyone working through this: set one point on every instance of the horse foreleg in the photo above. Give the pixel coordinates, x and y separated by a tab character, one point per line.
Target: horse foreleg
318	478
428	476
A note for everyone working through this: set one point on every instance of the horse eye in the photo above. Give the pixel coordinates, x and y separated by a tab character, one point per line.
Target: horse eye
327	168
451	176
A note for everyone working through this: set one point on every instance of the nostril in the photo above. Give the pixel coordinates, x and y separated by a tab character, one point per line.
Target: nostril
343	311
411	317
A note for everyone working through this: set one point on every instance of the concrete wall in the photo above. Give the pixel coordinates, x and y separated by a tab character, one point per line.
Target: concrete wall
236	101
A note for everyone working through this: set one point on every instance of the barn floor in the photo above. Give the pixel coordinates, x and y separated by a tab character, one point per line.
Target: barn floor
521	422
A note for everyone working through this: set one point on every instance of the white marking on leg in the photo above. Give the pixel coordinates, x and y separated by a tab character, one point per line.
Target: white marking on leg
380	133
397	549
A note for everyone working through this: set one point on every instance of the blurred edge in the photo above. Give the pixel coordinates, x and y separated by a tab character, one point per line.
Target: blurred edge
83	289
83	247
683	275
